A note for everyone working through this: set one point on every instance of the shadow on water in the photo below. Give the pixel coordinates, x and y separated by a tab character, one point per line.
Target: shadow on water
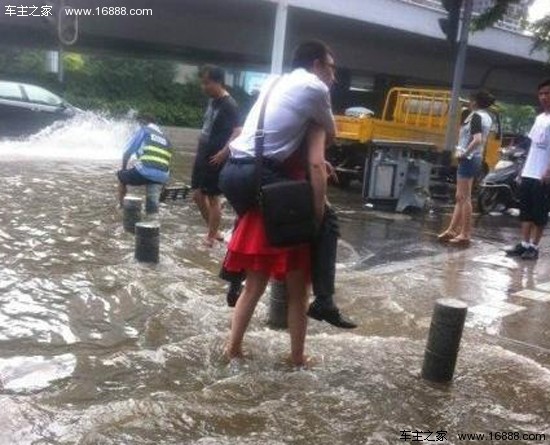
96	349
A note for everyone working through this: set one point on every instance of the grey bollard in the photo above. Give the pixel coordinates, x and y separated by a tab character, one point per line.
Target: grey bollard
444	340
278	306
152	197
132	212
147	242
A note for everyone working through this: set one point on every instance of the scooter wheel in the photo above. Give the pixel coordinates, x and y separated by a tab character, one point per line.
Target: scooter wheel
488	200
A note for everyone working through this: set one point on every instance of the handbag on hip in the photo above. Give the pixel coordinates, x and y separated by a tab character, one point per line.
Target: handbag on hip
287	206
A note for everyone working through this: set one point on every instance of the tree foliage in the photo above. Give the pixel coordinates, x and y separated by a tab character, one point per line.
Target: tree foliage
516	119
540	28
114	84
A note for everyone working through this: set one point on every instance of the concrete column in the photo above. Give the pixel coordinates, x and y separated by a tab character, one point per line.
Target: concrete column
444	340
279	35
278	306
147	242
52	64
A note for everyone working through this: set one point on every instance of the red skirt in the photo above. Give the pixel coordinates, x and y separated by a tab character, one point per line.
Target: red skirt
249	250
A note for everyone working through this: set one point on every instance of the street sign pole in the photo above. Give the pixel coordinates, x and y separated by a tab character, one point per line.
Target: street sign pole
451	136
279	36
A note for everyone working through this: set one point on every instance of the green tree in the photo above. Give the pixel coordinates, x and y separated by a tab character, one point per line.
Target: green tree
540	28
517	118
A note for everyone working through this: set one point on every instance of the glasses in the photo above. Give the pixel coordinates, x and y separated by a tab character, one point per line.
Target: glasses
332	66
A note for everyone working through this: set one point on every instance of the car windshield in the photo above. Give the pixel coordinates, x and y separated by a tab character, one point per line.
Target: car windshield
42	96
10	91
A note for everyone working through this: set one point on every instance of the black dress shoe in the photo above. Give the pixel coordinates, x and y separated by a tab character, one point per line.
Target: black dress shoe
332	316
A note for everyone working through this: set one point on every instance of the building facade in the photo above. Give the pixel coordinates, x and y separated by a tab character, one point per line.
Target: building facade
512	21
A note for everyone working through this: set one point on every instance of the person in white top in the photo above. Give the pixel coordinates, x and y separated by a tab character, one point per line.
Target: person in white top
300	97
535	183
471	146
298	122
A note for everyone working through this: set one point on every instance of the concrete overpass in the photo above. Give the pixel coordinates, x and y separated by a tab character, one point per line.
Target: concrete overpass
382	41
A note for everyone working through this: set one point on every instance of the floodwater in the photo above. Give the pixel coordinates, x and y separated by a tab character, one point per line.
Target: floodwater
96	349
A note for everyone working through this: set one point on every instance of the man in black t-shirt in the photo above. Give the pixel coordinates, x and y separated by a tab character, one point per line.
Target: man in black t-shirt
221	124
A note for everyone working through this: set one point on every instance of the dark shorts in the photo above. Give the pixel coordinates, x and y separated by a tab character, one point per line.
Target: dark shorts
132	177
205	177
469	168
533	201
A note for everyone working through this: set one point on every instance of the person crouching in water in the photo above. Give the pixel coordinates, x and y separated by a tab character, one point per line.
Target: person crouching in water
153	151
471	146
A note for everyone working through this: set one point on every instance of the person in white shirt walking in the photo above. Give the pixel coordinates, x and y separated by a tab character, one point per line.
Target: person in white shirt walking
535	183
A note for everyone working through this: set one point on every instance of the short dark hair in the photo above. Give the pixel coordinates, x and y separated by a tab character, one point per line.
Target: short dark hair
308	52
483	99
214	73
146	118
544	83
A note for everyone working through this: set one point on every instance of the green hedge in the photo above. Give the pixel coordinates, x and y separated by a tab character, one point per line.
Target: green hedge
115	85
180	115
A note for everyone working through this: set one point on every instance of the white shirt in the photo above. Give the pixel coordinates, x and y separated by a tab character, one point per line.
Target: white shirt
538	159
298	98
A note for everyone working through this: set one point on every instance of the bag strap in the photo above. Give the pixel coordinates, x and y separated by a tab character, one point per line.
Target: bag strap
259	137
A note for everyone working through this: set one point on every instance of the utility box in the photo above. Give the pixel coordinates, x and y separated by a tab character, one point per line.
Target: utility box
396	176
385	173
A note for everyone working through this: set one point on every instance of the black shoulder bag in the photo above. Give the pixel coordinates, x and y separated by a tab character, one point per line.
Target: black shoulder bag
287	206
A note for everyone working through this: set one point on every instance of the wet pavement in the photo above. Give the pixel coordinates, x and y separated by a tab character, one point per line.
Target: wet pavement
96	349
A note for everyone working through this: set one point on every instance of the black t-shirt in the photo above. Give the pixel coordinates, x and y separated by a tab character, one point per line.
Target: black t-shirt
220	118
475	124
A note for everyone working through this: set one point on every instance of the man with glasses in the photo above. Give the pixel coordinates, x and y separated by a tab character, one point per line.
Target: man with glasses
300	98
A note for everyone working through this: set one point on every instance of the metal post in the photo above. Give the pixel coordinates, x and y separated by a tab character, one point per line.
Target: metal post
278	306
279	35
147	242
132	212
60	71
450	136
444	340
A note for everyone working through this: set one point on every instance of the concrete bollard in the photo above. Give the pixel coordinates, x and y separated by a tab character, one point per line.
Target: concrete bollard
147	242
131	212
152	197
444	340
278	306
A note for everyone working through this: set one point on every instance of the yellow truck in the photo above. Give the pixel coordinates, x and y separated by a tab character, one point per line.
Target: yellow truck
402	152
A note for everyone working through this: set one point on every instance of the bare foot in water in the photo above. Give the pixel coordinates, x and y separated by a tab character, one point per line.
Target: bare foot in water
209	241
230	354
304	364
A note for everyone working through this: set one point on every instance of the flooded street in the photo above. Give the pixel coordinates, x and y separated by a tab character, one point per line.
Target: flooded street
97	349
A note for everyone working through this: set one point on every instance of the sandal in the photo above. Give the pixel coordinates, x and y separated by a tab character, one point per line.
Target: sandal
446	236
459	242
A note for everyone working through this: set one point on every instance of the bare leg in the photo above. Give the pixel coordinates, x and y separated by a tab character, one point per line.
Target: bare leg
297	319
466	231
214	217
253	289
202	203
456	221
122	190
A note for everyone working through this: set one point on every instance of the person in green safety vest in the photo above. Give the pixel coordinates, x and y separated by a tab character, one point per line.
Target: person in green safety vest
153	151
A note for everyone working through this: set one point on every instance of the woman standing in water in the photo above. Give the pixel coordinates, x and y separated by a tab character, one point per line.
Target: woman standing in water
471	146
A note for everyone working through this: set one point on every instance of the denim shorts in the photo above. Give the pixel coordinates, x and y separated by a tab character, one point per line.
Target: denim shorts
469	168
